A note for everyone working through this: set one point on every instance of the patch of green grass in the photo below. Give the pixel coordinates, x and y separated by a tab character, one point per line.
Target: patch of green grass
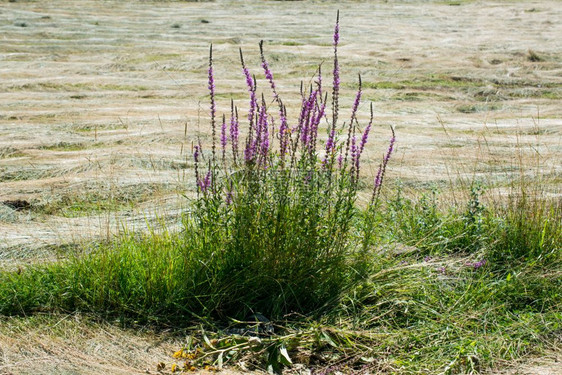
415	96
90	202
82	86
65	146
149	58
10	152
428	83
291	43
536	94
474	108
21	174
87	128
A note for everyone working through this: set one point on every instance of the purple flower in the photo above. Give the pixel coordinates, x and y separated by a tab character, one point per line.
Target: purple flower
205	184
249	152
365	136
229	194
319	81
223	135
234	132
356	102
251	89
382	167
337	30
354	152
196	151
314	128
308	113
283	131
212	95
267	71
353	120
427	258
330	145
390	149
479	264
336	73
264	132
378	178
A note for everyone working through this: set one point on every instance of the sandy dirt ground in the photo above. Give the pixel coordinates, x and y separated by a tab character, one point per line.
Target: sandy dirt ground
100	102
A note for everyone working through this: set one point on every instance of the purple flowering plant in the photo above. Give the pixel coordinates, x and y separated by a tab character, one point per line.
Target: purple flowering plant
280	196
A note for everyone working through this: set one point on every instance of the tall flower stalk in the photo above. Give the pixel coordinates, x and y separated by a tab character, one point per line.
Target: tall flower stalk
212	99
289	203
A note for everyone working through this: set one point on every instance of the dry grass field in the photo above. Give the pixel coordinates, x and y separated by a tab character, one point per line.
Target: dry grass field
100	102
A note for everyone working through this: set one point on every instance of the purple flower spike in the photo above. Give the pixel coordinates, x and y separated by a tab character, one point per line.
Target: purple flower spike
378	178
267	71
284	132
205	184
319	81
356	102
229	194
212	95
354	152
337	30
353	121
363	142
390	149
251	89
249	152
365	136
196	151
223	136
315	123
264	133
307	115
382	168
234	132
336	73
330	145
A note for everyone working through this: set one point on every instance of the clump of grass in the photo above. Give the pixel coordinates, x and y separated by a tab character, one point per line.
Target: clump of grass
533	56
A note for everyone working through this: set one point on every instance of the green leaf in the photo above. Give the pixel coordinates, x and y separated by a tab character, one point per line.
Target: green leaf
220	360
328	339
284	356
207	341
270	369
